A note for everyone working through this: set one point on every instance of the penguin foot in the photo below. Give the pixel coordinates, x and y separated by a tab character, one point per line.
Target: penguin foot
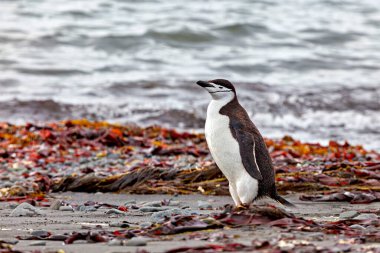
242	207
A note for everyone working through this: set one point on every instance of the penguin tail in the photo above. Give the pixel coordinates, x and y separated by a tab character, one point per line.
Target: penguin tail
283	201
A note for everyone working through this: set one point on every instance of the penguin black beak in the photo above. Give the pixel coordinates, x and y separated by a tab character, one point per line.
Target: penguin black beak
205	84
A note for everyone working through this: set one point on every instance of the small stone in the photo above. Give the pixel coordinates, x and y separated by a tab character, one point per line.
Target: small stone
113	156
123	224
37	243
115	242
12	205
136	241
90	209
146	209
204	205
26	209
130	202
7	185
10	241
40	233
348	215
357	226
56	204
174	203
87	209
146	224
66	209
115	211
366	216
160	216
153	203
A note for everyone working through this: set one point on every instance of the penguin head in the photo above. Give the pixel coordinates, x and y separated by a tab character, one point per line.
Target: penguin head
219	88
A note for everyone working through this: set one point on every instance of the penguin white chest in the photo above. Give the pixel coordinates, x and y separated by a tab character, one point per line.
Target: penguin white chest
225	150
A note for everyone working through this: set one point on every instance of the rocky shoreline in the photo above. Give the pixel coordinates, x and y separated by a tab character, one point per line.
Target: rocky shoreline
187	223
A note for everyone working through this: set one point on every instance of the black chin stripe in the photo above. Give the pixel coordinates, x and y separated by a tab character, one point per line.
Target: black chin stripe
219	91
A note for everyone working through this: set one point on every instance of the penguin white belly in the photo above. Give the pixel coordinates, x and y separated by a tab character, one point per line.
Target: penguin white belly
224	149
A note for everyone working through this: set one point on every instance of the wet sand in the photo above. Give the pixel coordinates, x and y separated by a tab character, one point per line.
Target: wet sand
59	222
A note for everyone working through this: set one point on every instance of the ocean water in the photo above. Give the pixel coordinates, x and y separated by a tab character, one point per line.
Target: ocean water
308	68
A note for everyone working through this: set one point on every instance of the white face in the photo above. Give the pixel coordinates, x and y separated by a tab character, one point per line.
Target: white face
219	92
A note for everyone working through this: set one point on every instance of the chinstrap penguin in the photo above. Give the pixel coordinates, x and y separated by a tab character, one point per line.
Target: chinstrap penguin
237	146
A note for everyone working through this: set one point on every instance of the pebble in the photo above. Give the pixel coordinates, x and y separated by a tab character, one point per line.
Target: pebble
40	233
153	203
204	205
87	209
90	209
348	215
56	204
174	203
123	224
366	216
115	242
12	205
136	241
37	243
160	216
130	202
7	185
66	209
146	224
146	209
115	211
113	156
26	209
357	226
10	241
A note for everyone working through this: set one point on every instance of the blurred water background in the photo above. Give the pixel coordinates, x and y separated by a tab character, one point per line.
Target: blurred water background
308	68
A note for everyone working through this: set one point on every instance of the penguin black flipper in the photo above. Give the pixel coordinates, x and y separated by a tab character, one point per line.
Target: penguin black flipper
247	151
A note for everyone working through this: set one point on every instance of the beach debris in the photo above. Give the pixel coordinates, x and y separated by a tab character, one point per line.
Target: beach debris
230	247
79	155
354	197
153	209
162	215
26	209
40	233
184	223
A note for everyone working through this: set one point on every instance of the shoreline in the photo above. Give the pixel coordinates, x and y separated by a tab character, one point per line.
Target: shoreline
43	164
